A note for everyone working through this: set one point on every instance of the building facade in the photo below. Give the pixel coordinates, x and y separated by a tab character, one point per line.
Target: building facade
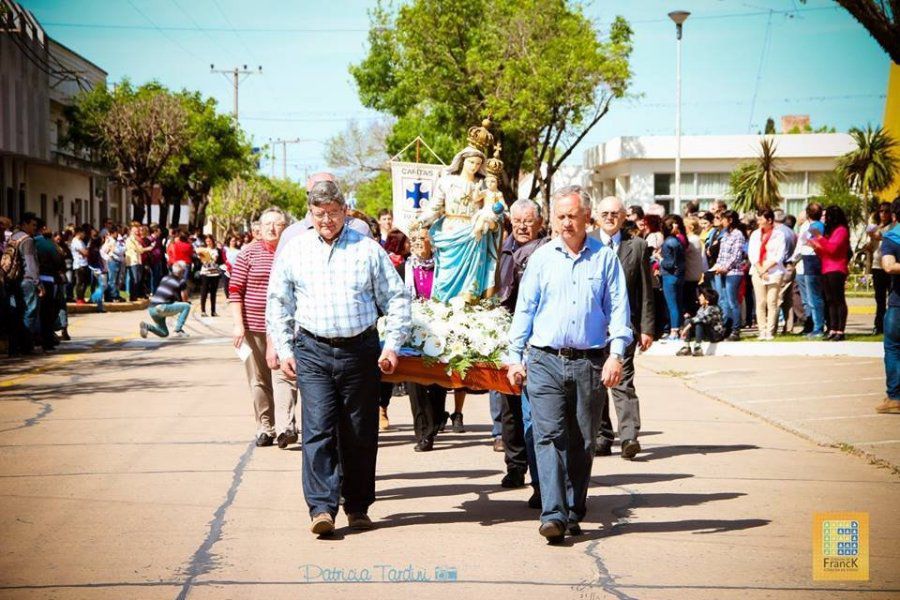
641	170
39	78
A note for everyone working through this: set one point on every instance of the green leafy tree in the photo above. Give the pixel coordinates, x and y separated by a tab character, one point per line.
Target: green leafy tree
754	183
872	165
217	151
134	132
374	194
236	203
836	190
537	67
288	195
770	126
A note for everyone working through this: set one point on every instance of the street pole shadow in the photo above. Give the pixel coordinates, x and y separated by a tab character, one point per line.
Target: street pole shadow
661	452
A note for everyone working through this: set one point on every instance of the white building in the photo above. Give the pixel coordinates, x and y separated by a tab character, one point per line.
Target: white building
641	170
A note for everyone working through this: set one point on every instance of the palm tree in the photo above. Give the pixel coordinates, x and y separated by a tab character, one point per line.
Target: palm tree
754	184
871	167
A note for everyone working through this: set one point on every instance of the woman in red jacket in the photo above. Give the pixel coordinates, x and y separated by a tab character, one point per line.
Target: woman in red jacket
833	249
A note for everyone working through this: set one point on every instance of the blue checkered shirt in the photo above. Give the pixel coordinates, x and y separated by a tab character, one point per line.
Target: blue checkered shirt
335	290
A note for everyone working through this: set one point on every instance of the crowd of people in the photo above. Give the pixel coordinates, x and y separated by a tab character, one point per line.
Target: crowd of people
588	287
45	271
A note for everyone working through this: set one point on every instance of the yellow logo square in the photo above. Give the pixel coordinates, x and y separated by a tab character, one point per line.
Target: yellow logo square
840	546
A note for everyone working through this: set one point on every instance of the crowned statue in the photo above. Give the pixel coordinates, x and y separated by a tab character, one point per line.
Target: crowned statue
464	219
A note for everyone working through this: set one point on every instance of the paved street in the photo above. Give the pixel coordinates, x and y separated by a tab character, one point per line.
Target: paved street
128	471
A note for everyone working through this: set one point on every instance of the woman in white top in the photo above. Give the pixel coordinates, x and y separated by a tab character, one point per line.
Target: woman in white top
765	252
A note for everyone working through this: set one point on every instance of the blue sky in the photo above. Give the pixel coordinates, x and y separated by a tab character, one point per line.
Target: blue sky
794	58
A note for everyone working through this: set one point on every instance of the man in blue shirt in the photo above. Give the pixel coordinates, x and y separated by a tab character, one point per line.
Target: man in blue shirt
572	303
890	262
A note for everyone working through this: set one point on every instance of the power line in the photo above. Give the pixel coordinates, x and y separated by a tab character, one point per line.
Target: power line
366	30
160	29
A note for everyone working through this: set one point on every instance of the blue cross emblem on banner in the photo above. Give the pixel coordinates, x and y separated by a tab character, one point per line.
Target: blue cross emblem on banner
417	195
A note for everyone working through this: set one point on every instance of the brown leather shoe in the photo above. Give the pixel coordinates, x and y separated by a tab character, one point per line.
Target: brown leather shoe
498	444
889	407
554	531
360	521
322	524
383	422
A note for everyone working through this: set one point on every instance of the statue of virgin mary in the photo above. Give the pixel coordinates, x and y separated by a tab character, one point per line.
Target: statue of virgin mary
465	233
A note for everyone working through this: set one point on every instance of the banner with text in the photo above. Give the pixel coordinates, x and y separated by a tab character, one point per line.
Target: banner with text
412	184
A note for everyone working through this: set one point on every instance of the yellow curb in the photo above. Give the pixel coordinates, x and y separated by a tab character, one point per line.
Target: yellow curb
61	360
861	310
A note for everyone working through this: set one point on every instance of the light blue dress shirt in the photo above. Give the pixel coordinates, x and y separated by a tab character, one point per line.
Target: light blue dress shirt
570	301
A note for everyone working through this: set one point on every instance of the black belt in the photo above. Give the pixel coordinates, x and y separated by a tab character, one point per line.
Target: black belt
338	341
572	352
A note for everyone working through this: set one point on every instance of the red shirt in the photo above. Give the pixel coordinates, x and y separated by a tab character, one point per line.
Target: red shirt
180	251
834	250
250	282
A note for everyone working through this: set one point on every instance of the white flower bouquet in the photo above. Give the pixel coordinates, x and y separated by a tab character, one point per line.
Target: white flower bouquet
458	334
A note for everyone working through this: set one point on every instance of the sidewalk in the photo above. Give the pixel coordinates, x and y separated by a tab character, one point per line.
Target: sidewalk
827	400
127	470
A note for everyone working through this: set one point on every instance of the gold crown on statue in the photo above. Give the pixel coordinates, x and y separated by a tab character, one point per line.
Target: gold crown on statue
480	137
494	166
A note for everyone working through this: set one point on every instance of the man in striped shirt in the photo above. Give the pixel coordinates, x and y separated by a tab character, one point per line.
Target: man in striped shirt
274	394
325	294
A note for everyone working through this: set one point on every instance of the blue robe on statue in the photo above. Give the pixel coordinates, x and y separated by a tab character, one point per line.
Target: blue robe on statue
464	266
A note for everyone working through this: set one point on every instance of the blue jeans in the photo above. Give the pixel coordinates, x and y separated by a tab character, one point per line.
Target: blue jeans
728	287
133	281
565	410
496	409
159	312
529	442
339	422
892	351
673	290
816	299
112	288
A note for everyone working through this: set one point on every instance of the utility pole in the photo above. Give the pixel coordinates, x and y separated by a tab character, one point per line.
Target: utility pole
284	144
237	75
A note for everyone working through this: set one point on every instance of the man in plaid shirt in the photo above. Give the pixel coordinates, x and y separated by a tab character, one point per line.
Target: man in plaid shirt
326	291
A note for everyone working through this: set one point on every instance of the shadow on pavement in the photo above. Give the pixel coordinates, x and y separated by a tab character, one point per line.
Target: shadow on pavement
658	452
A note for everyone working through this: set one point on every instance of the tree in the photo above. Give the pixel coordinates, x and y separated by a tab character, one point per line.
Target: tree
288	195
135	132
754	183
237	203
881	20
770	126
872	166
537	67
358	154
836	190
216	152
375	194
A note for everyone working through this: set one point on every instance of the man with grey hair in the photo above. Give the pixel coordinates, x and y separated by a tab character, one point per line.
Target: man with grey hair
327	290
306	223
527	226
274	396
634	255
169	299
572	303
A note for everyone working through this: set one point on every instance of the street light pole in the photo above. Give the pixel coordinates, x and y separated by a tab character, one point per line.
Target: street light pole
679	17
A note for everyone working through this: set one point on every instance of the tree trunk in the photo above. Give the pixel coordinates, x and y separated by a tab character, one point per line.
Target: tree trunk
176	214
137	205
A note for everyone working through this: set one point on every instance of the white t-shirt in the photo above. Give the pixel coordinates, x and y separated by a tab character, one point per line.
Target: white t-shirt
79	260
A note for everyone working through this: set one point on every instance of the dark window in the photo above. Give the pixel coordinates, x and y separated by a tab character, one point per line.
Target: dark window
662	184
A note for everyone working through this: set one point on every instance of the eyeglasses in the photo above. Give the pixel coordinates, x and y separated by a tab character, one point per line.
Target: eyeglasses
330	215
528	223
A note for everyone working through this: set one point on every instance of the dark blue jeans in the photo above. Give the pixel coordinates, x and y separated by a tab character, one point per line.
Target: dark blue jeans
528	426
728	287
892	351
496	403
339	391
673	290
565	409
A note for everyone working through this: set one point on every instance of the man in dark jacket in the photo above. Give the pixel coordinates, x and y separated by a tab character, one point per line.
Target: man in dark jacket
634	254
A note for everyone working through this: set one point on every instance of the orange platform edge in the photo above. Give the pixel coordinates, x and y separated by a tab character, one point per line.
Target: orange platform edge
479	377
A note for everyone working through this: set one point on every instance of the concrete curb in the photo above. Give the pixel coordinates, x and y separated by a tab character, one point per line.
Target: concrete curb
81	309
858	349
